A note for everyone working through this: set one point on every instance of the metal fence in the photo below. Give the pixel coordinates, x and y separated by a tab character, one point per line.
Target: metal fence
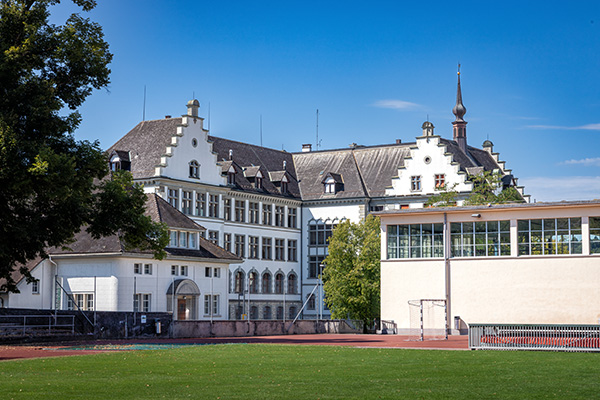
12	325
534	337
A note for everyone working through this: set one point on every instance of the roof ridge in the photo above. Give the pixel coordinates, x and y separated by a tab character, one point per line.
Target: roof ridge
250	144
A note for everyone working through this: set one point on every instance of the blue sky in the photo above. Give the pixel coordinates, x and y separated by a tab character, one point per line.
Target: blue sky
375	70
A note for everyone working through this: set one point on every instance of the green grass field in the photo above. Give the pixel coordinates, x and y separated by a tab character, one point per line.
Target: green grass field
303	372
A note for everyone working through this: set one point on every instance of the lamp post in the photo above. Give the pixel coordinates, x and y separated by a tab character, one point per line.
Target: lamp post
321	266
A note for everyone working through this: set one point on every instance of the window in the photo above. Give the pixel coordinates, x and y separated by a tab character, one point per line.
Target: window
292	217
319	234
292	284
213	206
594	235
258	182
194	169
267	282
292	312
314	266
183	239
227	241
311	303
279	312
253	282
480	238
253	213
231	178
137	269
207	272
213	237
280	249
415	241
415	183
266	248
35	287
148	269
239	282
267	314
217	272
329	185
186	202
227	209
284	187
292	250
253	312
172	238
192	240
253	247
174	270
173	198
267	214
240	244
201	204
141	302
279	215
184	270
549	236
279	283
440	181
211	304
240	209
81	301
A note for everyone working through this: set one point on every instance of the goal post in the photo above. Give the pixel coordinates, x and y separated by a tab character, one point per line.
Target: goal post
428	319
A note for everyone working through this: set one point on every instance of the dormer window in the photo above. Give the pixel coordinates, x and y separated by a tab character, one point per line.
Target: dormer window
329	185
186	240
284	187
194	169
120	160
115	163
332	183
231	175
258	182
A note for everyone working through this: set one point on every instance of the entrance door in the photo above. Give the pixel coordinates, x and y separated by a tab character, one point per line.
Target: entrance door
181	309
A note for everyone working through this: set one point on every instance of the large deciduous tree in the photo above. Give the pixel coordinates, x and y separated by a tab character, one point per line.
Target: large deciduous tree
52	185
352	271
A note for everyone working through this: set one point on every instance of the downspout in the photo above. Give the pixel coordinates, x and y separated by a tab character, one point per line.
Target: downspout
447	284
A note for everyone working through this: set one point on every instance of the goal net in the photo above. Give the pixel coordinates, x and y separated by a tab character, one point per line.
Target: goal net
428	319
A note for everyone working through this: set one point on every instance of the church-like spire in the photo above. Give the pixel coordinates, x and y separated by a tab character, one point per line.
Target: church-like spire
460	125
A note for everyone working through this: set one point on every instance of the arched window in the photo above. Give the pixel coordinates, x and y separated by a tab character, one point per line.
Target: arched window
253	282
280	312
239	282
267	313
194	169
310	304
253	312
239	310
292	313
266	282
292	284
279	283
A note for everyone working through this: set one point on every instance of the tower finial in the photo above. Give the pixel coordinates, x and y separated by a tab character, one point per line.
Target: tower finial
459	109
459	124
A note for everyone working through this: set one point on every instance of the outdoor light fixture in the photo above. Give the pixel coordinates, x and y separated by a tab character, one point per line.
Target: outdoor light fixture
476	215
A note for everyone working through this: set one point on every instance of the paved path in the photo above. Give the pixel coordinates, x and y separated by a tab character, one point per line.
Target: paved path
350	340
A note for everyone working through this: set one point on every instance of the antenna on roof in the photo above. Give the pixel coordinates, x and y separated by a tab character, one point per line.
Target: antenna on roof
144	112
261	130
317	146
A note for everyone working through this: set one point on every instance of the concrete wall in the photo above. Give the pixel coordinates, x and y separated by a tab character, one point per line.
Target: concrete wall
191	329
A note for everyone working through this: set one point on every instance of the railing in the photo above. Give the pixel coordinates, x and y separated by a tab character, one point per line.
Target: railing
534	337
36	324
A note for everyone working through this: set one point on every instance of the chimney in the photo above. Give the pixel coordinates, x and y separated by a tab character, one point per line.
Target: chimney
306	148
230	154
167	116
398	141
192	108
284	165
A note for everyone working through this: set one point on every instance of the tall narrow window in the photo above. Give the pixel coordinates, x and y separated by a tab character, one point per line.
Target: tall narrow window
280	249
292	284
240	210
279	215
240	245
266	248
213	237
266	283
292	217
239	282
253	282
227	241
253	213
213	206
173	198
267	214
292	250
279	283
253	247
227	209
415	183
201	204
186	202
194	169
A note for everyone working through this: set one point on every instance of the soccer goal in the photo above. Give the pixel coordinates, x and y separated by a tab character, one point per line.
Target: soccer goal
428	319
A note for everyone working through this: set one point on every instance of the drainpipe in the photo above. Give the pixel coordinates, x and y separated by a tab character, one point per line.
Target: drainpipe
447	285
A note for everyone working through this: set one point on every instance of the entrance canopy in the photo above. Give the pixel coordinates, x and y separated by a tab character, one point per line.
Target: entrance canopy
183	287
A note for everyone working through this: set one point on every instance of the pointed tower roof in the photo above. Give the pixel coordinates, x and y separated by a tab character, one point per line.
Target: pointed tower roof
459	109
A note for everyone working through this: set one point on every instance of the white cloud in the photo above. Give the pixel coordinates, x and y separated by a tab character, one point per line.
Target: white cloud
588	127
562	188
586	162
397	104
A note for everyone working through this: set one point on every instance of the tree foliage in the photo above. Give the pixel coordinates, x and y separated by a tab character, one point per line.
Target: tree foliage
352	271
51	185
487	189
445	197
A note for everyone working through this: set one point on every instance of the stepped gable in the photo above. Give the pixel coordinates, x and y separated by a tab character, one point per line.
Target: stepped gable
244	155
147	142
312	167
378	164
